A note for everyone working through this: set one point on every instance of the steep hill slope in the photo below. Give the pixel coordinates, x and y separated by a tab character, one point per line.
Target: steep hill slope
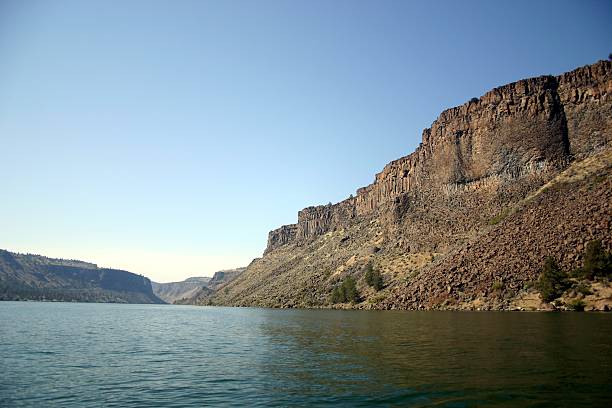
218	281
35	277
463	214
220	278
172	291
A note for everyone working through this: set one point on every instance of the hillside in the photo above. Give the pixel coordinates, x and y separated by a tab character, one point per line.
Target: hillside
220	278
35	277
218	281
465	222
172	291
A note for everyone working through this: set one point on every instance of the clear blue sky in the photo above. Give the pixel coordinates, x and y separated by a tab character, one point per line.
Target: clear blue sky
169	137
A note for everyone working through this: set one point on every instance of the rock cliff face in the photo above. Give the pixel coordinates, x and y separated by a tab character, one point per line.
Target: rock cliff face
525	128
220	278
475	162
281	236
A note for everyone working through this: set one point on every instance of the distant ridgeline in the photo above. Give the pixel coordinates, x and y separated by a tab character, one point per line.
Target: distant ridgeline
194	290
35	277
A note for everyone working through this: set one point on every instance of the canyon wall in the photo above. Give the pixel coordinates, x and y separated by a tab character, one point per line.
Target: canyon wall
530	129
35	277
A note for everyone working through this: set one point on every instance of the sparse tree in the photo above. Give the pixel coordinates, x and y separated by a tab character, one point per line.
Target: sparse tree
553	281
345	292
350	290
373	277
337	295
596	261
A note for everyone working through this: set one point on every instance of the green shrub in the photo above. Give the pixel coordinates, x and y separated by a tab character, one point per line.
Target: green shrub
374	278
577	305
337	295
376	298
497	285
597	262
345	292
583	289
553	281
499	217
350	290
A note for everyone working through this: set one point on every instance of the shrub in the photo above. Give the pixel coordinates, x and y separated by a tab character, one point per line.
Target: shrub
529	285
583	289
376	298
577	305
374	278
337	295
499	217
350	290
345	292
497	285
553	281
597	262
474	100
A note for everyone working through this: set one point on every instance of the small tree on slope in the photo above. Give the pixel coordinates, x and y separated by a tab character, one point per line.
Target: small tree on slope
553	281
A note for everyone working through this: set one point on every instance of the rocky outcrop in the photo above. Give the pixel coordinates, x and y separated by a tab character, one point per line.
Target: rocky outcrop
585	95
532	127
434	222
315	221
281	236
35	277
220	278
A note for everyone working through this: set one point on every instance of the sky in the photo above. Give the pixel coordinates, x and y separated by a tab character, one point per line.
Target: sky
168	137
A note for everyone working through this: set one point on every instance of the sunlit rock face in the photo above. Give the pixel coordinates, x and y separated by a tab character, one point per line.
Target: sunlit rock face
477	163
525	128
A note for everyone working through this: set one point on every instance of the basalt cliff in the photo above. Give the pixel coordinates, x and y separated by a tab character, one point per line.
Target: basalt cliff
466	220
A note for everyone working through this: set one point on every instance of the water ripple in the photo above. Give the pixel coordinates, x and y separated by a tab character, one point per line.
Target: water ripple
74	355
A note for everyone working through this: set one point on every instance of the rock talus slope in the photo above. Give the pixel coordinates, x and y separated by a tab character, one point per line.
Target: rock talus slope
465	211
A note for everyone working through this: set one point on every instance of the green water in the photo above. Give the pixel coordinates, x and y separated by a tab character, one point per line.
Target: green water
81	355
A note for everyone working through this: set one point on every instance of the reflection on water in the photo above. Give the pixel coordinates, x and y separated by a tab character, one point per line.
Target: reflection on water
454	358
143	355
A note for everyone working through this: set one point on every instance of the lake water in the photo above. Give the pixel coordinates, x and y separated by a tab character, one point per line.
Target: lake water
81	355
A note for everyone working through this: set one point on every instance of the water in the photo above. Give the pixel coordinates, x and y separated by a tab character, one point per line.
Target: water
80	355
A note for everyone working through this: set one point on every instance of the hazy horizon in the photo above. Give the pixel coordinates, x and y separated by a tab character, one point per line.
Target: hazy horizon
167	138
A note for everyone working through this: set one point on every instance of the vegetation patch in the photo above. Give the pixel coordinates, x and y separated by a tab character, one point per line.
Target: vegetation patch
553	281
577	305
373	277
597	262
500	217
497	286
345	292
376	298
